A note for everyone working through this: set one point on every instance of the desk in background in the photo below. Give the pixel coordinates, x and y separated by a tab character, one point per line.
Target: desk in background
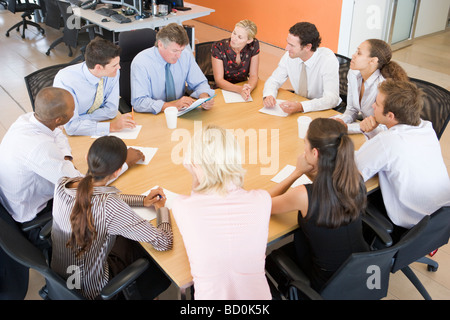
245	119
151	22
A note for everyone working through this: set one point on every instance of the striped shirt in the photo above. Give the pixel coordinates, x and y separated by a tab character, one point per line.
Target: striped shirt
112	216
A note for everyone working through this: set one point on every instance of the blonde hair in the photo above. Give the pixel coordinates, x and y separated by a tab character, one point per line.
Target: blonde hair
249	26
218	154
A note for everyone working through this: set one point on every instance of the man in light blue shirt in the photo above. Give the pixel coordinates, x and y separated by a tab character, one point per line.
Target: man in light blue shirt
82	81
148	74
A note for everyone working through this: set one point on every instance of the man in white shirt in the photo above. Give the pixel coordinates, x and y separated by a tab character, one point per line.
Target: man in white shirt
413	178
320	82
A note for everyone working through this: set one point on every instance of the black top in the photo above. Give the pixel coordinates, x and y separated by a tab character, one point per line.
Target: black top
328	248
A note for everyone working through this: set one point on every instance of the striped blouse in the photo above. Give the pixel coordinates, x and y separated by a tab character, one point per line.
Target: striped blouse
112	216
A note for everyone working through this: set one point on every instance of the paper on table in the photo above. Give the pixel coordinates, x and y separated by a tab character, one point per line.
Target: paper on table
275	110
126	133
194	105
149	153
285	172
233	97
150	212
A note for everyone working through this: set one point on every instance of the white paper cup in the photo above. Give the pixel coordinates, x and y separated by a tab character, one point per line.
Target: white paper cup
303	125
171	117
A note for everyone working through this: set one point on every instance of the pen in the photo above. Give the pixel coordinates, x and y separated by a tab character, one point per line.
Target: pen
132	113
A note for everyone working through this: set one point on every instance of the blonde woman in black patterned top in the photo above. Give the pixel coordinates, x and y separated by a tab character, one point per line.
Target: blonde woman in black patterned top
237	59
93	224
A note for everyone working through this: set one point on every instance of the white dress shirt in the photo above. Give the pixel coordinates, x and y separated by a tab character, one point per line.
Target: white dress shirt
354	107
413	178
82	84
31	162
322	71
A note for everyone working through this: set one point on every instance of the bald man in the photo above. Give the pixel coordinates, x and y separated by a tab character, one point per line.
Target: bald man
34	154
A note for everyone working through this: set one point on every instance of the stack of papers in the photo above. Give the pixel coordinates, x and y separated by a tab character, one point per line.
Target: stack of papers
285	172
275	110
125	134
150	212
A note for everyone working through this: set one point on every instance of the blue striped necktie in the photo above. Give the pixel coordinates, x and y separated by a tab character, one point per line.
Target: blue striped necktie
170	86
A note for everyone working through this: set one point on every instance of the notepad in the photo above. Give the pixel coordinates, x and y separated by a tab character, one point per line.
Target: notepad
275	110
234	97
149	213
148	152
194	105
285	172
125	134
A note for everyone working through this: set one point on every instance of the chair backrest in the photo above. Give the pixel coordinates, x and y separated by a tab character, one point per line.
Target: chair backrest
131	43
70	32
40	79
53	16
363	276
203	58
436	107
12	5
344	66
429	234
19	248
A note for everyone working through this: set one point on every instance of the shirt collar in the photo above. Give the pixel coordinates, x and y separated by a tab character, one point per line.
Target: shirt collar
88	75
311	61
96	190
39	124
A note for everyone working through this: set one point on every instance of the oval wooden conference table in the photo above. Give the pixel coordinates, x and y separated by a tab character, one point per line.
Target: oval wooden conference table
269	143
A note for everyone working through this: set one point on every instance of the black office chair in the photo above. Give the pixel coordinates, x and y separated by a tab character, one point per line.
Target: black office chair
344	66
13	275
42	78
436	106
28	10
74	35
363	276
434	233
203	59
131	43
14	243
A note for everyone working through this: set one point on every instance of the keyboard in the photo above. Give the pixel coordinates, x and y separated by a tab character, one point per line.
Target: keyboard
105	11
120	18
77	3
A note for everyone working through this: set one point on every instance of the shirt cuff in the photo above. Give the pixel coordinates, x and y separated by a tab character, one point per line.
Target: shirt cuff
354	127
102	128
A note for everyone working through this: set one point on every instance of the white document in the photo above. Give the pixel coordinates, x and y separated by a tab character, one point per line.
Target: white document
194	105
275	110
285	172
233	97
125	134
149	153
149	213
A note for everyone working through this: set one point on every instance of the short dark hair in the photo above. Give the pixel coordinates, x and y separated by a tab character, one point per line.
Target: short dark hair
307	33
100	51
404	99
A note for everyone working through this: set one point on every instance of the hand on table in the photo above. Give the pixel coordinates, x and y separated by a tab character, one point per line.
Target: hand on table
155	198
133	156
121	122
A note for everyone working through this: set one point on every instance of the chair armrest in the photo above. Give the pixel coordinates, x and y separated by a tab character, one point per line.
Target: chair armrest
124	278
37	222
289	267
378	228
46	231
377	215
305	290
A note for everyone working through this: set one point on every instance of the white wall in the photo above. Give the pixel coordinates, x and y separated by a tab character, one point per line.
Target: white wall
432	16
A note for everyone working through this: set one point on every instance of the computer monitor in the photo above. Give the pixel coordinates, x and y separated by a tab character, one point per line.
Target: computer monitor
173	4
133	4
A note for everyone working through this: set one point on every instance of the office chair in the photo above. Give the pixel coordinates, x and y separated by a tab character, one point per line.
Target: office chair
436	106
131	43
344	66
14	243
73	33
434	233
203	59
13	275
28	9
363	276
42	78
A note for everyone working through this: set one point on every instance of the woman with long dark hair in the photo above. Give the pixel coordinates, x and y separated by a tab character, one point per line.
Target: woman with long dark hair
93	223
329	208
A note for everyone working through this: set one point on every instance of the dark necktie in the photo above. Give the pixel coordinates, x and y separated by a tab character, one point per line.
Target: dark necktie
170	86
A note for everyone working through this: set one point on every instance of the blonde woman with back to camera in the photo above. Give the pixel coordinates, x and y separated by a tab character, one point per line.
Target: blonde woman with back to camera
224	227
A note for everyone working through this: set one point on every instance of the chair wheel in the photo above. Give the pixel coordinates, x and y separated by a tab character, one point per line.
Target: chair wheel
431	268
7	34
48	52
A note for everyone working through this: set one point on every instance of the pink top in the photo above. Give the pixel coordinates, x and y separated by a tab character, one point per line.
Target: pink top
226	239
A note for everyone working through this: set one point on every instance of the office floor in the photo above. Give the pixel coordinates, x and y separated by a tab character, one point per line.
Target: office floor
426	59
